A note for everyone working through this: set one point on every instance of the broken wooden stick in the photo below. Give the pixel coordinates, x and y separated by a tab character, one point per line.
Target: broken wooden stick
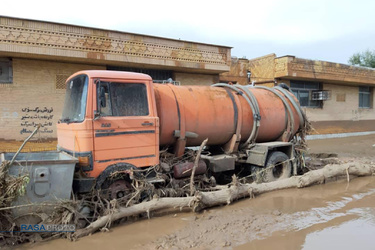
196	162
233	192
23	144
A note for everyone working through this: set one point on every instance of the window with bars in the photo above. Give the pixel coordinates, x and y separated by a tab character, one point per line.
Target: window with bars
60	81
6	70
365	97
304	91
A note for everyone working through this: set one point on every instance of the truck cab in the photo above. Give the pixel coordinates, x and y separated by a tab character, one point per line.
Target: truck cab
109	117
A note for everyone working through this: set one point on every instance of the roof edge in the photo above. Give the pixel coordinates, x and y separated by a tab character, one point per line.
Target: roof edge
102	29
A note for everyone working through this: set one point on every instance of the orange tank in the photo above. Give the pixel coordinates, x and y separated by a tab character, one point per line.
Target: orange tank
219	112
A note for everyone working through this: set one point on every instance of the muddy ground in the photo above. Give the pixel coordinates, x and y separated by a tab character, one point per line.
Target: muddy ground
336	215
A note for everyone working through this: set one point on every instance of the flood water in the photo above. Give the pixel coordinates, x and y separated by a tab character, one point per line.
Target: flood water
332	216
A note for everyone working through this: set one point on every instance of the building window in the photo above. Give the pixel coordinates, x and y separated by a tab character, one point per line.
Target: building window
365	97
304	90
6	72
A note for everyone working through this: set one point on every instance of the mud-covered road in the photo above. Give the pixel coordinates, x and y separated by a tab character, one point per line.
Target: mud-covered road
337	215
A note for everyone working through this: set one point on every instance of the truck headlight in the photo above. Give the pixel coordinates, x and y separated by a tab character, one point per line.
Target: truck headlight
84	161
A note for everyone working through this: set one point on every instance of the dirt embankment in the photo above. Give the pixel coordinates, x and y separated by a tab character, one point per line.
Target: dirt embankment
34	145
361	147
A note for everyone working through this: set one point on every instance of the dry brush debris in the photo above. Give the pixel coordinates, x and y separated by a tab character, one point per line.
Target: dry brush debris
232	192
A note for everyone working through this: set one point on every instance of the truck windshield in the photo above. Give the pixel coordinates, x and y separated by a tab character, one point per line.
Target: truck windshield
75	100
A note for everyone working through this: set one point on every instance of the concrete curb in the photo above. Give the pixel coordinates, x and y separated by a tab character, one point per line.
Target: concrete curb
341	135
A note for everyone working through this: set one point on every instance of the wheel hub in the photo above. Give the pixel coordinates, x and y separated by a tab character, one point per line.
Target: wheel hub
277	170
119	189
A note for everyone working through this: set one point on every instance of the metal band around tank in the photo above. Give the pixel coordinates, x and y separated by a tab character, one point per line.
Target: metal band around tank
181	141
290	122
256	115
301	115
180	111
235	107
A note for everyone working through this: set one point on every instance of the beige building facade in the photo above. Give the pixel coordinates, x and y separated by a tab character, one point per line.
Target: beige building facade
37	57
337	98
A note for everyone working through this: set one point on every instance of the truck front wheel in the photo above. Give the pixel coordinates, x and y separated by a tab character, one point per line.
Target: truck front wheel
118	189
278	167
114	182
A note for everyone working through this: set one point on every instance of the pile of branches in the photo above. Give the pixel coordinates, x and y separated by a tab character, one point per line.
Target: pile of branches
80	210
229	193
13	187
92	212
10	188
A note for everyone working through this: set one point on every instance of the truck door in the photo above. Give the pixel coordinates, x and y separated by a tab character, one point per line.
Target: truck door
126	127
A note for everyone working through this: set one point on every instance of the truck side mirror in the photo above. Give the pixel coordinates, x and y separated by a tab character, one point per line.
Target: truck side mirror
101	100
96	115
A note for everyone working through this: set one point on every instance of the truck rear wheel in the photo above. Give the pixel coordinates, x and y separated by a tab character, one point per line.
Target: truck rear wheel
278	167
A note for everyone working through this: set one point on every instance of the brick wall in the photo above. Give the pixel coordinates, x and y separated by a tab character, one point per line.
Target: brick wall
286	81
196	79
237	73
262	68
32	98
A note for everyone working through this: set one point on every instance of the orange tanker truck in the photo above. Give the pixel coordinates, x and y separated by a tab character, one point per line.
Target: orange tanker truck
119	122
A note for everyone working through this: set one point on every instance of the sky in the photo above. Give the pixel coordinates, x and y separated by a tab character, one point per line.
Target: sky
328	30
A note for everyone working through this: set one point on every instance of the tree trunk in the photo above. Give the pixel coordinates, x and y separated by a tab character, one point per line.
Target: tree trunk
235	191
